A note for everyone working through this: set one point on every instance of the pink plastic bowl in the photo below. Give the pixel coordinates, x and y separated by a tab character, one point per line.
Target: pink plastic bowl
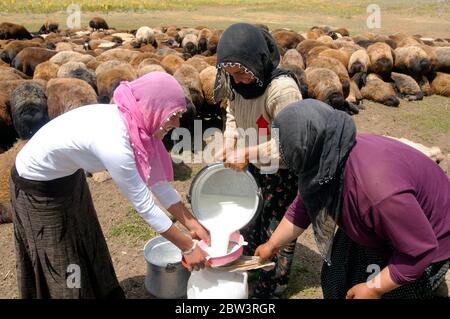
237	251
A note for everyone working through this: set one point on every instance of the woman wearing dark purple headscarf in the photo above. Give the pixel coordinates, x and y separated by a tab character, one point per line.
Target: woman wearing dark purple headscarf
390	202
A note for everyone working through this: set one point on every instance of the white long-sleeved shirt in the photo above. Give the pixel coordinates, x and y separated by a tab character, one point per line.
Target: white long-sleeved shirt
94	138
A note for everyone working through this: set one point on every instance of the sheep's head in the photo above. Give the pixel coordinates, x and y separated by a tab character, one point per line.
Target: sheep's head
28	109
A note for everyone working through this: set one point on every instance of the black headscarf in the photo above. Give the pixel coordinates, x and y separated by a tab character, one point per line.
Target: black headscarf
315	141
253	49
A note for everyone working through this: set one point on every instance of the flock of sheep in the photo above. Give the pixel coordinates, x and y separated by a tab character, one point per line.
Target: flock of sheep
47	73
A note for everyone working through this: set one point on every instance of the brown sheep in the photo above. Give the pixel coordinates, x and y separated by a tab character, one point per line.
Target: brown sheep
189	77
211	60
314	34
324	85
441	84
442	59
340	55
287	40
335	66
211	108
65	94
207	80
381	58
407	87
355	97
63	57
408	41
6	163
198	63
149	68
204	36
342	31
136	61
213	42
425	86
359	62
8	135
325	39
305	46
348	45
412	60
65	46
27	59
398	37
109	80
14	31
14	47
108	65
118	54
93	64
300	76
314	53
431	53
7	74
99	44
379	91
293	57
149	61
98	23
46	71
171	63
78	70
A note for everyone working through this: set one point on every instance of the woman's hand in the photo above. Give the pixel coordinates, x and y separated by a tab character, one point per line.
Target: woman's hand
228	146
265	251
362	291
196	260
237	160
200	232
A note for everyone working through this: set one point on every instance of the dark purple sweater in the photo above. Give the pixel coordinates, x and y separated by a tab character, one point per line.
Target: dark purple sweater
396	201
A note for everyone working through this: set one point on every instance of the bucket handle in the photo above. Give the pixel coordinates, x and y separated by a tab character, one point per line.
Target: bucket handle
170	268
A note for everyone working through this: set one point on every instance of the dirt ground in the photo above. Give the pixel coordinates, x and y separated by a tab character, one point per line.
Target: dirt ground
426	122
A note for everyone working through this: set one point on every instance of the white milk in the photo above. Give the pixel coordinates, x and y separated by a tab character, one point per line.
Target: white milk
223	215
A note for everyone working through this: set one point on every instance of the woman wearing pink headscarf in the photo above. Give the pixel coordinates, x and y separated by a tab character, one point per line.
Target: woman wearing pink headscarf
60	248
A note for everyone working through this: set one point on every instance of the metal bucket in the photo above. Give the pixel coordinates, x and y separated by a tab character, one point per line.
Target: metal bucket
218	180
166	277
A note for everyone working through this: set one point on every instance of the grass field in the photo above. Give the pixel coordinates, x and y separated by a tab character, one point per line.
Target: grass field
339	7
429	18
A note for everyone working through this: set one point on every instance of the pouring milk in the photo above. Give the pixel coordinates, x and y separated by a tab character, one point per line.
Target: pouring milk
222	215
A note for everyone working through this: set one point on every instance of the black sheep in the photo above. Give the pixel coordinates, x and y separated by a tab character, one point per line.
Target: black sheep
98	23
28	109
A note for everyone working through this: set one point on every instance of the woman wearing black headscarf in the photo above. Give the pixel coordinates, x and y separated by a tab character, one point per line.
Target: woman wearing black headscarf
256	89
390	201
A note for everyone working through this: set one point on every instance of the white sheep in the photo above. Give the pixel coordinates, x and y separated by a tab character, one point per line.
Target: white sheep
145	35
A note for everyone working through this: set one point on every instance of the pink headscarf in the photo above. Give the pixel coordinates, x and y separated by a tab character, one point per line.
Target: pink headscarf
145	104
